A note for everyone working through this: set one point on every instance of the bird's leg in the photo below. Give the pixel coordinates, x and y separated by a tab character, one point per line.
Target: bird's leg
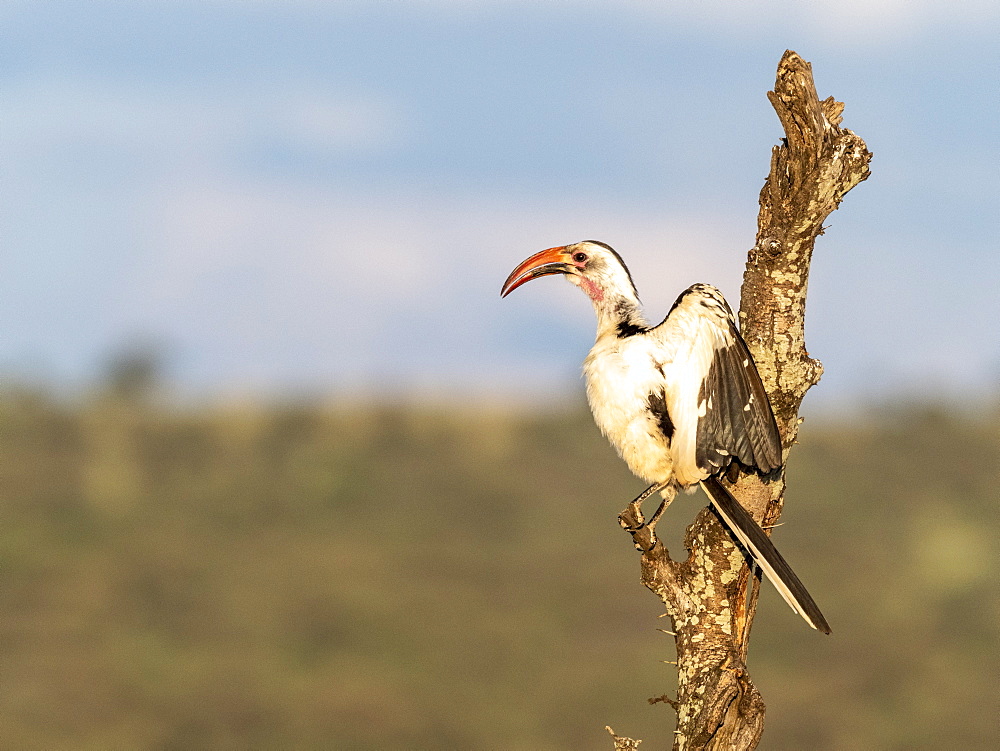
631	518
664	504
648	492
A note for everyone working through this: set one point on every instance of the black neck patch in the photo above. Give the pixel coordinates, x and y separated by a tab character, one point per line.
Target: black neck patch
627	329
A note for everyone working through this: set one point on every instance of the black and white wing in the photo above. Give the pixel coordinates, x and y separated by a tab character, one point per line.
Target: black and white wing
714	390
738	416
721	412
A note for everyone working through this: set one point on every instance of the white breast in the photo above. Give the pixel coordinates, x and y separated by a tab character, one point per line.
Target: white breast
621	374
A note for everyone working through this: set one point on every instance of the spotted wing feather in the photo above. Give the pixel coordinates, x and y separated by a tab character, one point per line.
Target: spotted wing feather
738	421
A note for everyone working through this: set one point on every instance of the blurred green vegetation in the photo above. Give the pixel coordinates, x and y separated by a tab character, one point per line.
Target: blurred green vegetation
317	576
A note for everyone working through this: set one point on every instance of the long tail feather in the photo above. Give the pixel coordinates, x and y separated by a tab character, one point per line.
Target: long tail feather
764	553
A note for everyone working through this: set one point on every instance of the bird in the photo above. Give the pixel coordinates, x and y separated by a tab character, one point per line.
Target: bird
682	401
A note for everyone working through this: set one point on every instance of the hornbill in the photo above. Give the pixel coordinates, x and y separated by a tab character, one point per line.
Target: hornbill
680	401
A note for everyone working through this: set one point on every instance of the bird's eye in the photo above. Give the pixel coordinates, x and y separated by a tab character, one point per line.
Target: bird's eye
579	257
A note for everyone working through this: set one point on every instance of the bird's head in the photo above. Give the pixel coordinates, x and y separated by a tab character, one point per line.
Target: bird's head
591	265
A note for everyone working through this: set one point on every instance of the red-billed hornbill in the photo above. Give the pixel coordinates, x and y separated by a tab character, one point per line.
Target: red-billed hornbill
680	401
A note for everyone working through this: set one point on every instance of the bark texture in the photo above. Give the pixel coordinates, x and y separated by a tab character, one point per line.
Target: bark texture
711	596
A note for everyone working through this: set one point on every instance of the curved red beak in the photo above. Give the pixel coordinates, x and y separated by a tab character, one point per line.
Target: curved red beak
551	261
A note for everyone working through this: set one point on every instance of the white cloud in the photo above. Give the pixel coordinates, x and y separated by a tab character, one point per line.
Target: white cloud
847	20
359	286
396	249
280	286
162	124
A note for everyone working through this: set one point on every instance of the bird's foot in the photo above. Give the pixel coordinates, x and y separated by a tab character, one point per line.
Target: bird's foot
632	520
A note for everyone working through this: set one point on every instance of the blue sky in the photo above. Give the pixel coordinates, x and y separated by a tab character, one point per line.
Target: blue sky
327	196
